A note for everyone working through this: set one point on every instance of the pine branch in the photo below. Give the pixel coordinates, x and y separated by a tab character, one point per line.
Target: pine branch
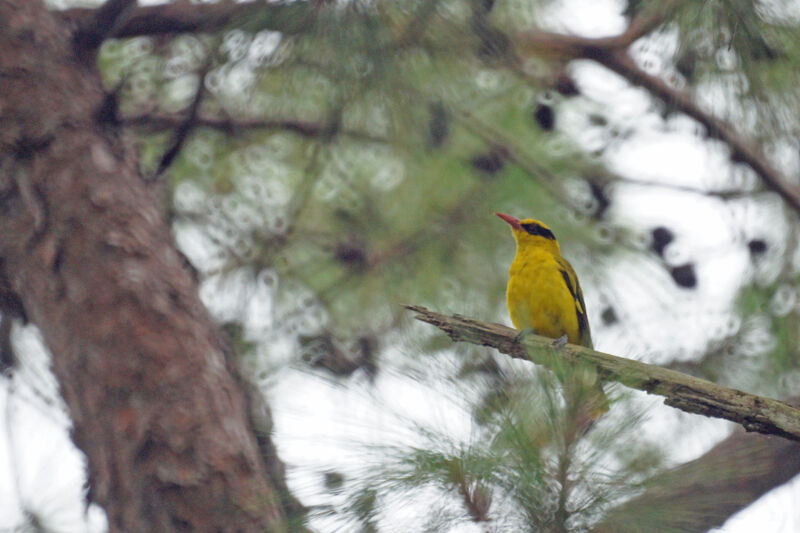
181	17
684	392
611	52
155	122
646	22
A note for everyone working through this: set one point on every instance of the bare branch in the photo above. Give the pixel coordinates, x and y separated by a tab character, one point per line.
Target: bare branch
610	52
305	128
176	18
645	23
743	150
160	122
687	393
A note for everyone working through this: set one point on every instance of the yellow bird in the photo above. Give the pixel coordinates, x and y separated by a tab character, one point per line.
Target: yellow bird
544	294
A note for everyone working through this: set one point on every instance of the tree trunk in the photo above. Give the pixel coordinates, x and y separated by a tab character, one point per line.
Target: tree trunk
84	246
704	493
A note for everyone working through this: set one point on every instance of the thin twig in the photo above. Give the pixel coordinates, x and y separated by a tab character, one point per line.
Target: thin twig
189	122
304	128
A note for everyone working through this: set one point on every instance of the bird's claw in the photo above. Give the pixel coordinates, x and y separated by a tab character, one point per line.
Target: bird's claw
560	342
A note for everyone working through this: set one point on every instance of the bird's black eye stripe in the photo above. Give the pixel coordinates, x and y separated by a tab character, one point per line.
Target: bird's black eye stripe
535	229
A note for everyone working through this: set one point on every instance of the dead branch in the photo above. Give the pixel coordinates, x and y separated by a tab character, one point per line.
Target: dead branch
687	393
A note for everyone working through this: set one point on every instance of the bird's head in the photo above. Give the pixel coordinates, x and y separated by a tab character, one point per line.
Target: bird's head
531	233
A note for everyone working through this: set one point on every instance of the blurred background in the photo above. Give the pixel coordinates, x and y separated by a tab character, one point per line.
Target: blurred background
323	163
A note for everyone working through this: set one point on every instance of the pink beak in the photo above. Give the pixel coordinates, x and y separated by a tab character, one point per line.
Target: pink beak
513	221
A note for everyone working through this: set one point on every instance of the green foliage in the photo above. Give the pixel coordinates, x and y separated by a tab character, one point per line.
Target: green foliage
507	471
764	348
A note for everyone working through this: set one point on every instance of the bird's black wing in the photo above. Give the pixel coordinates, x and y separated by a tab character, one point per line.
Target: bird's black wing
571	280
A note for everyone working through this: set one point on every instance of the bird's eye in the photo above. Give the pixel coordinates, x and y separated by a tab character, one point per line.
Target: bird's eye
535	229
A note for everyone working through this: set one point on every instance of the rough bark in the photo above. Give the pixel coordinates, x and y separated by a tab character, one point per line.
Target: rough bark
86	249
690	394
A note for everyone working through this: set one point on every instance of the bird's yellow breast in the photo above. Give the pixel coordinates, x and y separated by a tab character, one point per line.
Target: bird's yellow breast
538	297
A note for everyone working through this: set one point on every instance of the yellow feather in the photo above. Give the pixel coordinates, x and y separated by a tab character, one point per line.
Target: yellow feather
544	294
543	291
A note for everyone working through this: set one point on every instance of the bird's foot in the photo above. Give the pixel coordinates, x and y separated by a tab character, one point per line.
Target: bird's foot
560	342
